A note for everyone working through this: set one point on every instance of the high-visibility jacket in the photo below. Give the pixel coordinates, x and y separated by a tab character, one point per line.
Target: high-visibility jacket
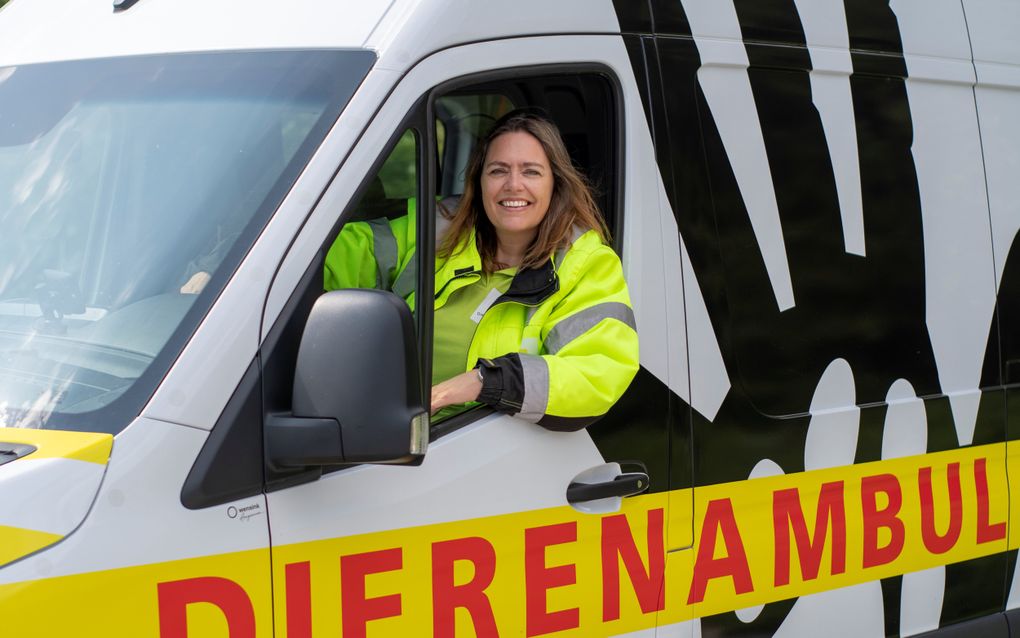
560	346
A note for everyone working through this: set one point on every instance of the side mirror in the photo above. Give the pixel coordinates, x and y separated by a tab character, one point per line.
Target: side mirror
357	393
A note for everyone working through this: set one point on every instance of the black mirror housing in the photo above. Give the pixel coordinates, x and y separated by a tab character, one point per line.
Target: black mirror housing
357	391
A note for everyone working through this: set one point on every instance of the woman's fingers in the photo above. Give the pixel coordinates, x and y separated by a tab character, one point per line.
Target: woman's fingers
459	389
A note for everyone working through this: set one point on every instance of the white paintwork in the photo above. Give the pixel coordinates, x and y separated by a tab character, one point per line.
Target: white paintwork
764	468
404	30
932	28
140	501
710	19
851	612
1000	136
830	92
959	273
831	439
497	465
414	28
921	602
48	495
1013	600
828	42
47	30
993	26
906	425
723	79
749	614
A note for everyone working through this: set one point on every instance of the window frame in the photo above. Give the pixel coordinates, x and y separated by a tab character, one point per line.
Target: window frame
616	112
289	325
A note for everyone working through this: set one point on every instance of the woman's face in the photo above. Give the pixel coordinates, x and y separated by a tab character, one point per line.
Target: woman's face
517	185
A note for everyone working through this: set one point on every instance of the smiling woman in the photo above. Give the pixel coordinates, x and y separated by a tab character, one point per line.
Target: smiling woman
532	314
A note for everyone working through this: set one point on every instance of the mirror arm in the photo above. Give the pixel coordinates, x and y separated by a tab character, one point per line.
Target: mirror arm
294	442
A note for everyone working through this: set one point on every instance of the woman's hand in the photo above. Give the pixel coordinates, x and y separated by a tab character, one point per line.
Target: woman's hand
459	389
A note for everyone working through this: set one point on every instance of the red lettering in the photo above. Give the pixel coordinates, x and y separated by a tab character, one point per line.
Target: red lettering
357	609
538	579
298	579
986	532
231	599
618	544
719	518
787	515
447	596
876	519
933	541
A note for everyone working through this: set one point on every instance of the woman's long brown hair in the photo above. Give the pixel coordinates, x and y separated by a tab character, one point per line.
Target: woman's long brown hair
571	205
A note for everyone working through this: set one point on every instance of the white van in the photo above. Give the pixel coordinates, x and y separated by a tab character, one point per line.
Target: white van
815	203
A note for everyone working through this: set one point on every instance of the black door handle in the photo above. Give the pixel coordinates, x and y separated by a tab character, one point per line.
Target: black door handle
627	484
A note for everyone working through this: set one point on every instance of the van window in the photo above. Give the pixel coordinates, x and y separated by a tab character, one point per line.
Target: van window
377	247
407	186
122	179
582	107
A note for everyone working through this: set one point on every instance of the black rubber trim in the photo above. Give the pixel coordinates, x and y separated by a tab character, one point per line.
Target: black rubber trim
567	423
994	626
13	451
229	466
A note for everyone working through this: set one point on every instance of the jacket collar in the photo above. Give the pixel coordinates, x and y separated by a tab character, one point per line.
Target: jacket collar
530	286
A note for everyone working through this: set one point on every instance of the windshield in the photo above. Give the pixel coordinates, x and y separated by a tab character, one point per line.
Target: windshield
130	189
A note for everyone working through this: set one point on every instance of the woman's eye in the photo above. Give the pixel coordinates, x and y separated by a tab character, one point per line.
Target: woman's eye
497	171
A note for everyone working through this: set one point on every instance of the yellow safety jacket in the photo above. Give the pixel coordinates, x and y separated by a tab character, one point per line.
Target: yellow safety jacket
559	348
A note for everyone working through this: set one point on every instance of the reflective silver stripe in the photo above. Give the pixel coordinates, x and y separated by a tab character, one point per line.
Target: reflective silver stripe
581	322
536	388
575	234
407	279
385	246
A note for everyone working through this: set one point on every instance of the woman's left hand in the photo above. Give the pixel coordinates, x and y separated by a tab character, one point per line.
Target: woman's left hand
459	389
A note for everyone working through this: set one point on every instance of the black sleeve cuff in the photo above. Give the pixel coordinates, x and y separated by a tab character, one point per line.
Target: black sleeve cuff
499	389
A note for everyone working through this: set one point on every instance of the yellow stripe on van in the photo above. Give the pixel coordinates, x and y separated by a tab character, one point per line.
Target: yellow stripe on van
558	571
91	447
16	542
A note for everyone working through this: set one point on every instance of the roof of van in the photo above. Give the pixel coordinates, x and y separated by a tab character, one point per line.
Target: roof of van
400	30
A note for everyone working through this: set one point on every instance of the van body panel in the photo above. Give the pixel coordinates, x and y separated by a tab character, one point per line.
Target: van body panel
146	470
92	29
115	574
819	211
49	488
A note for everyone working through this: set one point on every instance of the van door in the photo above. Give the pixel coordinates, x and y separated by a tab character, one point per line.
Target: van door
480	535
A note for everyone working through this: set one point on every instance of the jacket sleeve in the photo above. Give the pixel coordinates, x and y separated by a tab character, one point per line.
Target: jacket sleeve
375	254
589	354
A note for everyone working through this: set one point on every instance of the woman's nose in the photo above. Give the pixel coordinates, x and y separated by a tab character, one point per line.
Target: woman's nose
513	181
